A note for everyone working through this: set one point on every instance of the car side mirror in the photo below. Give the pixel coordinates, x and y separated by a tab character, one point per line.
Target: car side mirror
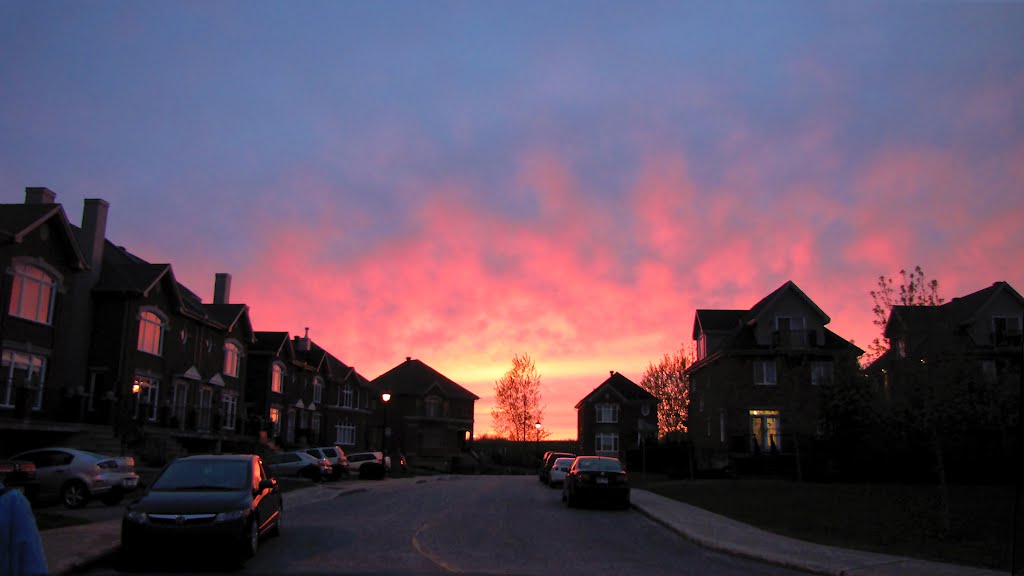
268	484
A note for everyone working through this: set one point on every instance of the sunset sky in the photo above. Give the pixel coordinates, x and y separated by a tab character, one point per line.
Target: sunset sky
464	181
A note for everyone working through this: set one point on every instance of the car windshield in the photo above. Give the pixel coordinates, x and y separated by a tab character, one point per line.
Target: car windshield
204	475
600	465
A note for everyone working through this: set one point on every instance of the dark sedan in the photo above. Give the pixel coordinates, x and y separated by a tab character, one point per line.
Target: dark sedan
226	502
598	480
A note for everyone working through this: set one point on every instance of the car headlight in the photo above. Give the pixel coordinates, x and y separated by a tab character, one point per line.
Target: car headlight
136	517
233	515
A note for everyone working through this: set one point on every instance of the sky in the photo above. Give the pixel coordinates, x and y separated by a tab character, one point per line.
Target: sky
465	181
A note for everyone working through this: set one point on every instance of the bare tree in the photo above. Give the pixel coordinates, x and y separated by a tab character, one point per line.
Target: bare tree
913	290
518	399
667	381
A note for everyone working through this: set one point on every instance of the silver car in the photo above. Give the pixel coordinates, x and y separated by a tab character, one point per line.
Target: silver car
77	476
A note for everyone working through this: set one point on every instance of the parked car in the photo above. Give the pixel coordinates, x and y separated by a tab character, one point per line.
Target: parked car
20	475
298	464
336	456
596	479
558	471
375	464
77	476
549	461
224	501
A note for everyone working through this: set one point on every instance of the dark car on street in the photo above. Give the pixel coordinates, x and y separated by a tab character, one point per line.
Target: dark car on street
223	502
549	461
596	480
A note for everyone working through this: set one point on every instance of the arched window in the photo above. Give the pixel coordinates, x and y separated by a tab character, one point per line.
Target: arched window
151	333
231	356
32	294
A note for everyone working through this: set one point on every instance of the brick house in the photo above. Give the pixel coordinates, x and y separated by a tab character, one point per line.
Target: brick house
615	417
429	417
41	260
755	385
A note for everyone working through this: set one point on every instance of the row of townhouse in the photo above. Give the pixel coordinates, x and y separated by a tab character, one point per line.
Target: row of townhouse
98	343
756	383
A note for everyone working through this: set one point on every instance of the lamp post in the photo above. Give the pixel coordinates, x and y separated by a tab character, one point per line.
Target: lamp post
536	447
385	432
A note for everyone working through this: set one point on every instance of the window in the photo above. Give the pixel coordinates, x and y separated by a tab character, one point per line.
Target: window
275	420
345	433
702	346
179	402
606	443
764	424
205	408
315	425
277	379
607	413
318	390
151	333
821	373
231	356
32	294
790	330
346	396
432	407
645	409
764	372
229	407
304	419
147	398
1005	330
20	369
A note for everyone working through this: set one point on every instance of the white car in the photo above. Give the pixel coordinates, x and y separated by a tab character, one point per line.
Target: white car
558	471
77	476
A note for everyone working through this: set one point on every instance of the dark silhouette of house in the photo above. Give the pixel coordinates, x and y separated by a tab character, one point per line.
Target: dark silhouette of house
755	385
615	417
429	417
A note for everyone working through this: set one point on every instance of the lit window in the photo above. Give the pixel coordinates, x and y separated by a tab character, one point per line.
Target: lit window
607	413
151	333
277	379
764	372
764	425
606	444
32	294
20	369
229	407
231	356
275	419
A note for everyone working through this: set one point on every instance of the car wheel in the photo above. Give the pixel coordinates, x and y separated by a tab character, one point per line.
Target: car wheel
74	494
252	539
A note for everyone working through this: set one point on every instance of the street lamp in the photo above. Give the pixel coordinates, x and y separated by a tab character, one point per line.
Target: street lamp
385	397
536	448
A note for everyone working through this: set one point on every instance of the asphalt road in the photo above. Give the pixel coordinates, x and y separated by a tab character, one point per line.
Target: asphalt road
474	525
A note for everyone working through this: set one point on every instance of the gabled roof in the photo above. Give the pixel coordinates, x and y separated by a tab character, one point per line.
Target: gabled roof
923	321
126	273
277	343
229	315
414	378
622	387
717	321
19	220
767	302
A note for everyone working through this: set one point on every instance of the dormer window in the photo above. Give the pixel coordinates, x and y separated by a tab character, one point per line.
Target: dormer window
32	294
702	346
151	333
231	357
789	331
277	379
318	390
1006	330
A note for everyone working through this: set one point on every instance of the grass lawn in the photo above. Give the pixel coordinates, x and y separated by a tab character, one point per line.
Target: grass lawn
892	519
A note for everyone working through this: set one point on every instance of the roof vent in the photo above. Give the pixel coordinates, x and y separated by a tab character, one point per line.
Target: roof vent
408	358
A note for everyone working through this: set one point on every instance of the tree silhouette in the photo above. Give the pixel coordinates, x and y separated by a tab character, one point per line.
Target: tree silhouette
518	399
668	382
913	290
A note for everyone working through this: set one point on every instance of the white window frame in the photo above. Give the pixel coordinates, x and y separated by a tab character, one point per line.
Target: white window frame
606	443
179	400
33	293
32	364
346	396
318	390
229	409
822	372
232	359
152	326
765	373
149	388
607	413
345	433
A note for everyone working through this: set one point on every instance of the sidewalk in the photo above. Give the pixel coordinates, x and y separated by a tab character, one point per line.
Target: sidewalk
68	549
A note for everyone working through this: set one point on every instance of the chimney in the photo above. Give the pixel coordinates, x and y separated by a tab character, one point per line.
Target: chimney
39	195
94	231
222	291
408	358
305	341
